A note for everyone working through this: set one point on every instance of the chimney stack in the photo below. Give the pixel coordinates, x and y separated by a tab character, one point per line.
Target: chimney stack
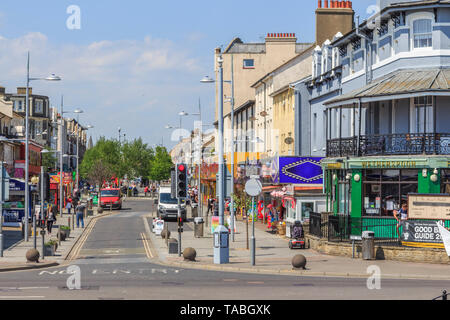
335	16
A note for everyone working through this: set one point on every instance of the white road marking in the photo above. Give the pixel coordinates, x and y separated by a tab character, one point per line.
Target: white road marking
22	297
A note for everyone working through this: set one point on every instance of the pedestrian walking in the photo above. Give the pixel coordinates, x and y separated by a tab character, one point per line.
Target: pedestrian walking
79	210
51	217
146	191
69	206
401	216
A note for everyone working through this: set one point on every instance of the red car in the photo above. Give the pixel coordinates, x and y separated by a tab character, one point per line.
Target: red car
110	196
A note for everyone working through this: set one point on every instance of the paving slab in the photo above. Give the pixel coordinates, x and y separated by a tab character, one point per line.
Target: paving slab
274	256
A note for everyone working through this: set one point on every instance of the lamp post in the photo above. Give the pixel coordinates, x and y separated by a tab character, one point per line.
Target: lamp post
221	245
231	100
27	160
73	222
78	111
60	187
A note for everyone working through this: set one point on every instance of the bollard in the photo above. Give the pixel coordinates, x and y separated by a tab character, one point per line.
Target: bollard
43	243
299	261
32	255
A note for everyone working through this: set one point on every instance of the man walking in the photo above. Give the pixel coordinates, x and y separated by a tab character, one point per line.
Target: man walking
79	210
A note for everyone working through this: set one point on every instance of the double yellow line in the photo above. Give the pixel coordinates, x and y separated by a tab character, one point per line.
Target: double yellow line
77	248
147	249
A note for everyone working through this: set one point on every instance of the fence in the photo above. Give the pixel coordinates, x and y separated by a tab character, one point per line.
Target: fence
339	228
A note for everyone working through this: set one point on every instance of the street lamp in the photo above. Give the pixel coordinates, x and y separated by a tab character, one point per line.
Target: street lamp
27	160
78	111
207	79
45	151
221	245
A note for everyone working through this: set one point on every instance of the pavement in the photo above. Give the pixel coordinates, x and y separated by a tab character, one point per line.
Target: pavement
273	256
14	255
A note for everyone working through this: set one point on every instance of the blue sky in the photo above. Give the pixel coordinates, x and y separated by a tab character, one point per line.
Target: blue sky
136	64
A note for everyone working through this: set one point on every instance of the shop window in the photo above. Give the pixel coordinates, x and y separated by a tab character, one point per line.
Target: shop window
382	197
307	208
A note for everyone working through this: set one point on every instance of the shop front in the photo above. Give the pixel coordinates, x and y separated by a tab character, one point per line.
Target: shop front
14	208
376	187
298	190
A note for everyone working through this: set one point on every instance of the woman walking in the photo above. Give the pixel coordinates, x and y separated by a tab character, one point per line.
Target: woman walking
51	218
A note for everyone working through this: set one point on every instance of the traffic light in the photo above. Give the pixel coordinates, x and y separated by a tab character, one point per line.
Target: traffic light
181	181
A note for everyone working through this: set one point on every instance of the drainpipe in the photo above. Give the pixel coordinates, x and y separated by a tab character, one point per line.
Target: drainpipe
358	145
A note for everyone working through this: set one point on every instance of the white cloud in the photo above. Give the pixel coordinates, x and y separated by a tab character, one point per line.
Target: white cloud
107	78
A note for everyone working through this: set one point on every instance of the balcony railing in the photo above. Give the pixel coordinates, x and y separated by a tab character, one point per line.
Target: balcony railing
391	144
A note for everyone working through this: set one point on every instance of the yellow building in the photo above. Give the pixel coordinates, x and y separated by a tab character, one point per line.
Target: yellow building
284	121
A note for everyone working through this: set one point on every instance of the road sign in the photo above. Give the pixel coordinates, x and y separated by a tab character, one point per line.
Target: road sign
253	187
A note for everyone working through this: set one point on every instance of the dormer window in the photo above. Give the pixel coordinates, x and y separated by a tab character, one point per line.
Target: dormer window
423	37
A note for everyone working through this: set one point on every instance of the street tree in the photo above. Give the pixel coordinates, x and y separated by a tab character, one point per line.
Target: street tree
106	151
136	159
160	165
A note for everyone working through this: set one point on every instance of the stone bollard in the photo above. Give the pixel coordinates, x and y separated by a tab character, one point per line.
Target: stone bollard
100	210
163	234
299	261
189	254
32	255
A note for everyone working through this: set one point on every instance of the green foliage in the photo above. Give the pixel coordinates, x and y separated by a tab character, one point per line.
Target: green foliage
133	159
51	243
136	159
48	160
161	165
106	151
65	228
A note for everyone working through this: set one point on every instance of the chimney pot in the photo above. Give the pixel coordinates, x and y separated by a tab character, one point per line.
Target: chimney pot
326	3
319	4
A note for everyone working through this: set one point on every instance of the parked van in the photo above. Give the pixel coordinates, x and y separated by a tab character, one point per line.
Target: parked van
167	206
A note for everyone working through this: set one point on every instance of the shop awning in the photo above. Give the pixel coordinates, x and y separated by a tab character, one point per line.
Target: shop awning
399	85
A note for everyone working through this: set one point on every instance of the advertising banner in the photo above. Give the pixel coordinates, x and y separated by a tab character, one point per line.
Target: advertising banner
426	234
429	207
300	170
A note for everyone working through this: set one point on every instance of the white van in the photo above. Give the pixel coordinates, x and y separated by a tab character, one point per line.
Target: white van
167	206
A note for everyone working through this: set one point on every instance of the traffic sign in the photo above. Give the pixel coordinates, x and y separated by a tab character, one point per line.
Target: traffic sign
253	187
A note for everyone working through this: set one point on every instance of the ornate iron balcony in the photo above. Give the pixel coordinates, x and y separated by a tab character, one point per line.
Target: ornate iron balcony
391	144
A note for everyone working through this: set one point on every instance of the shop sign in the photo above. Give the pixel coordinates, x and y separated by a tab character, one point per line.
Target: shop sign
424	234
388	164
429	207
15	185
301	170
334	165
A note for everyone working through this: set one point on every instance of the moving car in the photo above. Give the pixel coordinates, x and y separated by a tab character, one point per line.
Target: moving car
168	206
111	196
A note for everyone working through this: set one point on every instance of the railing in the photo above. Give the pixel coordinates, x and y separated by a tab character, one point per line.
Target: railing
315	225
339	228
391	144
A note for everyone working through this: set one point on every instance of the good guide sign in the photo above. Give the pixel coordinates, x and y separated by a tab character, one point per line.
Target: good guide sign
422	233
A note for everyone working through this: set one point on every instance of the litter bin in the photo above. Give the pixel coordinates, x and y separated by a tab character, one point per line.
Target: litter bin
368	245
198	227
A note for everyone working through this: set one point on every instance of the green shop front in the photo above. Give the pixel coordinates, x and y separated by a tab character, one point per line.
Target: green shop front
369	189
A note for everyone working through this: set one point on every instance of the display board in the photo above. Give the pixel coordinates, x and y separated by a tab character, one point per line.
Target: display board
436	207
